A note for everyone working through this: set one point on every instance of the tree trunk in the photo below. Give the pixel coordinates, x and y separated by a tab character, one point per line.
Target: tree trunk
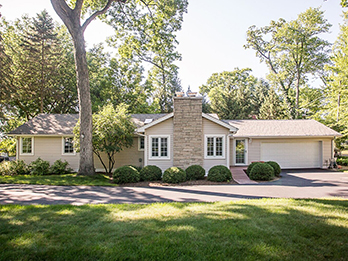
86	166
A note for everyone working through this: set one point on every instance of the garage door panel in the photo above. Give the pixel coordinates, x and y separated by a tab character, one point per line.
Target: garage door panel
292	155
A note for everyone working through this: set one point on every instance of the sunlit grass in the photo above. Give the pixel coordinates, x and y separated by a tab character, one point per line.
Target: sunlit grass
268	229
59	180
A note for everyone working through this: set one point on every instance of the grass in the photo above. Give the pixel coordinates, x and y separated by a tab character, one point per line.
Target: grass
268	229
59	180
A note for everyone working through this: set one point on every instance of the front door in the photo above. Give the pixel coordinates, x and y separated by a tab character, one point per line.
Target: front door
240	150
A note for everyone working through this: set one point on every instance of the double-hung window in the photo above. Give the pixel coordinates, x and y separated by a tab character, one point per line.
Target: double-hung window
27	146
141	143
68	146
214	146
159	147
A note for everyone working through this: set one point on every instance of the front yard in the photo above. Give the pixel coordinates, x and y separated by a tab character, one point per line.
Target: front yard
268	229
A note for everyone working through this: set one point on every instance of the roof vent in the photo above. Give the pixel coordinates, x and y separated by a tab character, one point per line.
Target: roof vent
147	121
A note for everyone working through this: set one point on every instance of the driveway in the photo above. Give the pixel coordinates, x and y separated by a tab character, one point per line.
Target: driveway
293	184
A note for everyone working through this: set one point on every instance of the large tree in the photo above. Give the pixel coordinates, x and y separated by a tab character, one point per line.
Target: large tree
293	51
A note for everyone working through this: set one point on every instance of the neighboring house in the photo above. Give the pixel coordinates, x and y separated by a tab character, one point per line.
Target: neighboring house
186	137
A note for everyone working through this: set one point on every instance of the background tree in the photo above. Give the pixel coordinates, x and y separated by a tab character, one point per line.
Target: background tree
272	107
293	52
234	95
113	131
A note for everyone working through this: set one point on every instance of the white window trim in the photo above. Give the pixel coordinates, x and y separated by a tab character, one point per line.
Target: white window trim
246	154
223	146
168	145
21	146
63	147
139	139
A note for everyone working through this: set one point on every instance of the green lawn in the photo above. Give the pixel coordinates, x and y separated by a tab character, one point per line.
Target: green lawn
66	179
269	229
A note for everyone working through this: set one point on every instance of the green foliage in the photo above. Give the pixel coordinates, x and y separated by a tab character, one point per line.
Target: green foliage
250	167
126	174
60	167
150	173
39	167
343	161
195	172
293	51
219	173
262	171
174	175
5	168
113	131
272	108
276	167
16	167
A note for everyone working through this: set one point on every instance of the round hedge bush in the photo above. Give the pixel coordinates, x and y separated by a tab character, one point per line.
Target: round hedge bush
195	172
219	173
250	167
262	171
174	175
275	167
126	174
150	173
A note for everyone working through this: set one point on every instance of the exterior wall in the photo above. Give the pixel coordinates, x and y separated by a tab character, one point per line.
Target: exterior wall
50	149
163	128
187	136
254	148
211	128
128	156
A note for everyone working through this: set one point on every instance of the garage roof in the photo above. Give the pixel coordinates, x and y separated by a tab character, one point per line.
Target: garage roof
281	128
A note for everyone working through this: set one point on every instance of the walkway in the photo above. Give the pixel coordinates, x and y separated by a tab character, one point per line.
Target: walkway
240	176
293	184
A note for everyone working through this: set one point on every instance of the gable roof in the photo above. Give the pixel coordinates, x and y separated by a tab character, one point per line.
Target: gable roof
281	128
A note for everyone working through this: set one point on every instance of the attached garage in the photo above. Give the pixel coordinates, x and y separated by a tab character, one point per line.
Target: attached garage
307	154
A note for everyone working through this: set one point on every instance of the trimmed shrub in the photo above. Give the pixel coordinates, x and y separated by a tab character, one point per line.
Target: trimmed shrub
262	171
126	174
59	167
150	173
342	161
275	167
19	167
5	168
174	175
195	172
219	173
250	167
136	167
39	167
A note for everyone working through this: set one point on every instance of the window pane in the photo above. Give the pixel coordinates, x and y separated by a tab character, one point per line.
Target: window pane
26	145
210	146
164	147
240	151
142	143
154	146
218	146
68	145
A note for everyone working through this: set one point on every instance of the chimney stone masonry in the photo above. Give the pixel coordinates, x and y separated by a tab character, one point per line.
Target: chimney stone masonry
188	132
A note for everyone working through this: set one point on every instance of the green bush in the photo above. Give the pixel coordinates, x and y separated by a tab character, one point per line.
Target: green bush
219	173
126	174
39	167
19	167
275	167
174	175
250	167
150	173
59	167
195	172
261	171
342	161
136	167
5	168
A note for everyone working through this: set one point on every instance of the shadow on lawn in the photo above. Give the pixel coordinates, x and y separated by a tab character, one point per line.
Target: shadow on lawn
256	230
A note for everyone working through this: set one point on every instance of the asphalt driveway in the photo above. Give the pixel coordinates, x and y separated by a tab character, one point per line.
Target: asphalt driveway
312	183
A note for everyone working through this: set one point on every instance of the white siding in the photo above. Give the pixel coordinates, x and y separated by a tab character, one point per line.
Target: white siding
163	128
50	149
128	156
210	127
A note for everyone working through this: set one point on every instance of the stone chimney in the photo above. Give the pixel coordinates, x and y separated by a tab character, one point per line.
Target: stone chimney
188	132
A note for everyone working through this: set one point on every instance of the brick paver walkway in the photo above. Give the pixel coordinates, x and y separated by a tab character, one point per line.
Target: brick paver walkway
240	177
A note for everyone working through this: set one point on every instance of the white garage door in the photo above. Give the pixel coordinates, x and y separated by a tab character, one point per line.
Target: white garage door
293	155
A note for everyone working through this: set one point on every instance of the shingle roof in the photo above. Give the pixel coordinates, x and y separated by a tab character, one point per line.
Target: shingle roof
281	128
63	124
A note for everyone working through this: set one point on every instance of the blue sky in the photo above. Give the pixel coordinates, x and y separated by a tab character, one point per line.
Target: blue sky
213	32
